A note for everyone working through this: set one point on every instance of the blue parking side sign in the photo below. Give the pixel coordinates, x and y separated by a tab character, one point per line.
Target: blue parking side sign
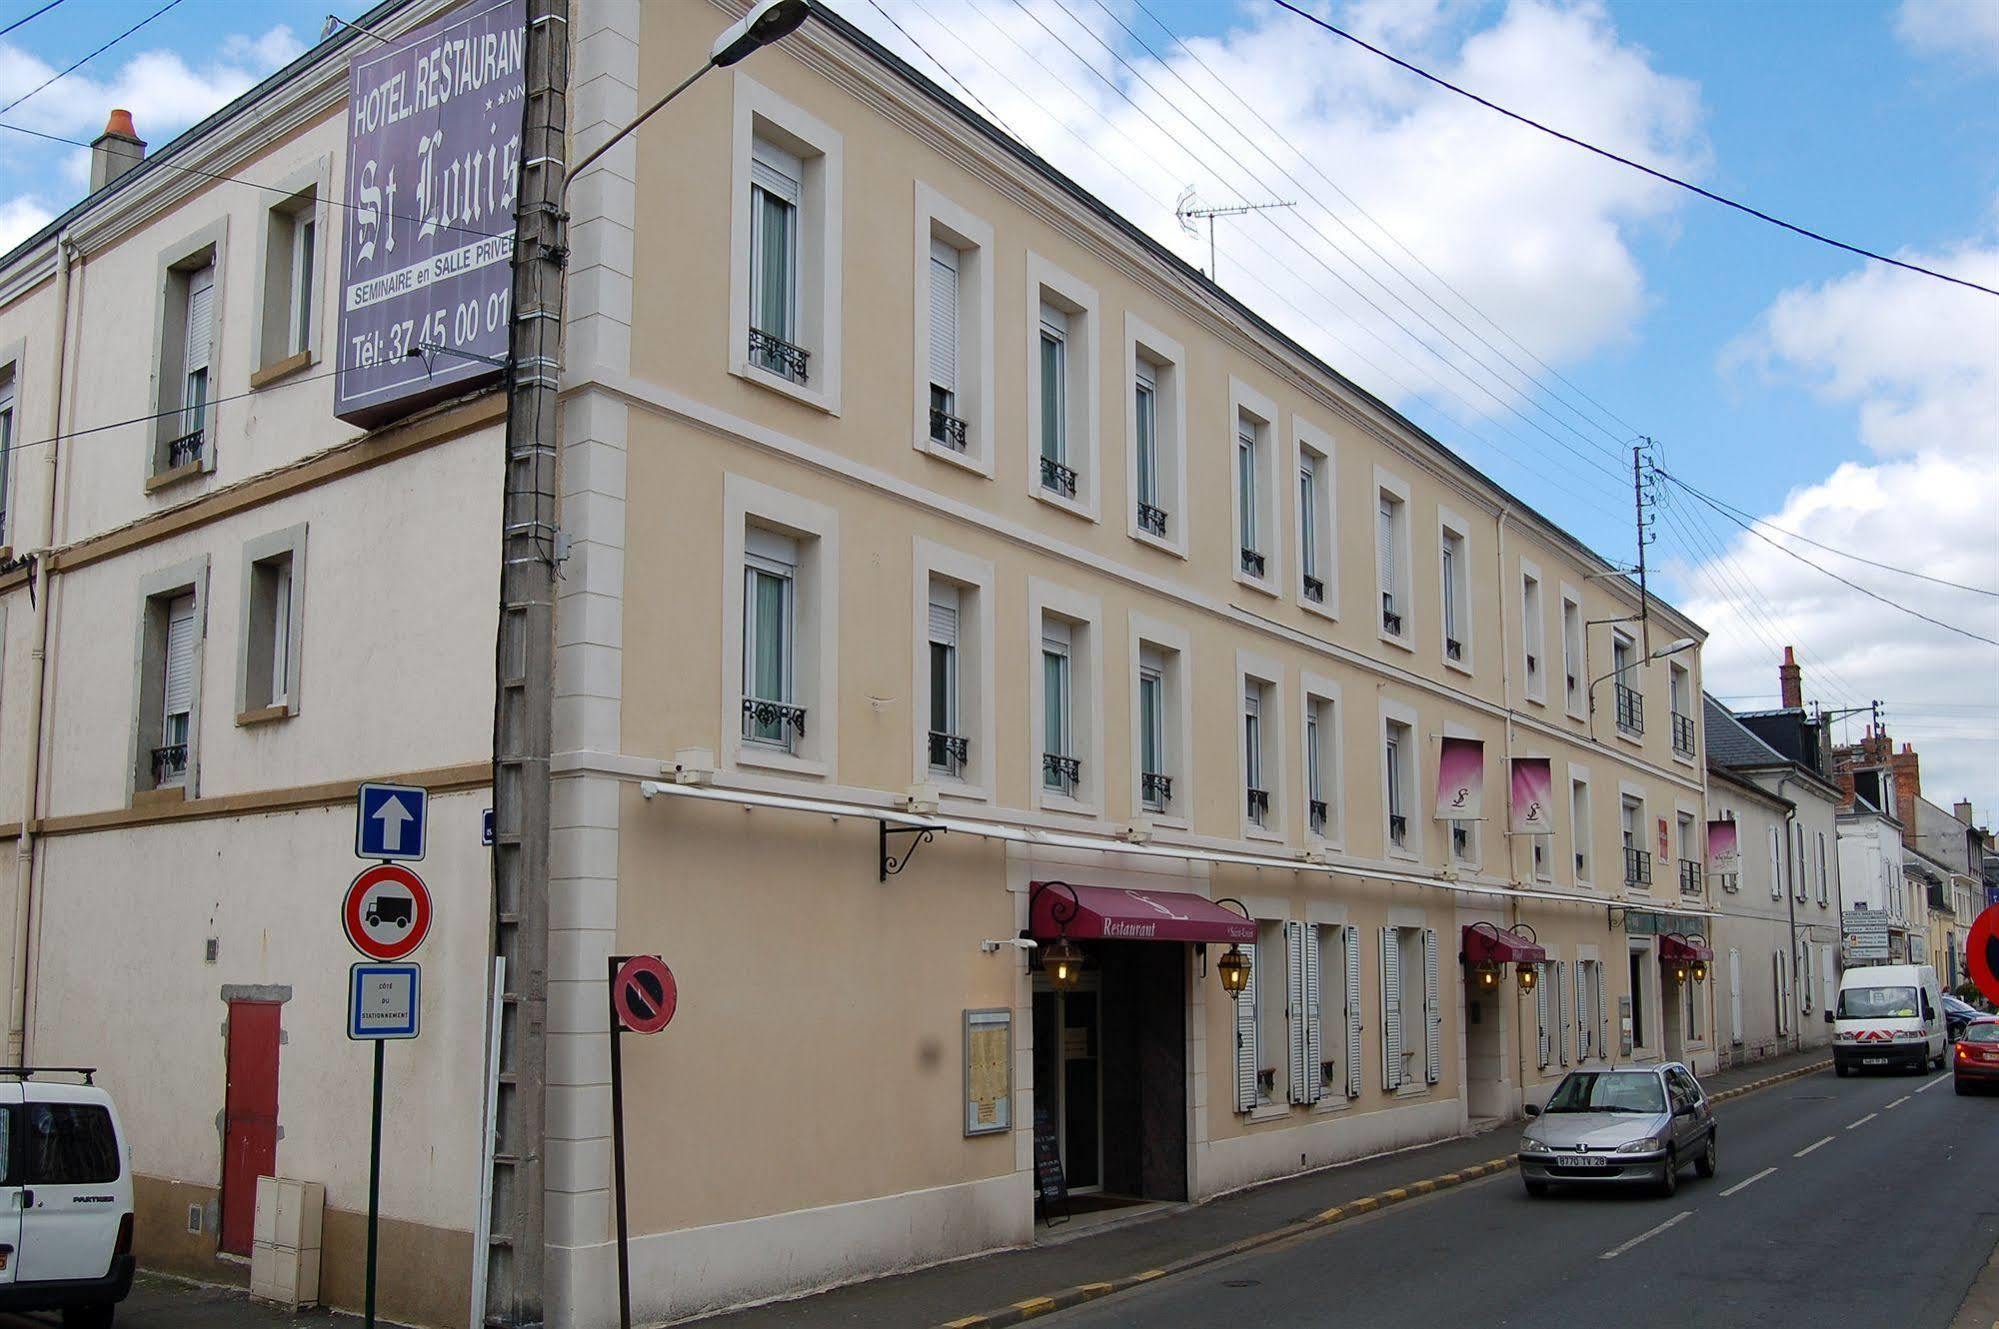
391	821
384	1001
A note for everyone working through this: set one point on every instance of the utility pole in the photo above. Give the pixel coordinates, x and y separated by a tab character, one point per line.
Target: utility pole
1640	497
524	669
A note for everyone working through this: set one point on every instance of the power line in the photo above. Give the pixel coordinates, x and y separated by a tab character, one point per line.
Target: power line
1626	161
26	19
53	78
1729	510
962	87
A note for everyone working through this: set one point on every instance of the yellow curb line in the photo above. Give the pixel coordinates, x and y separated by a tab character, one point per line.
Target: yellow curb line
1035	1306
966	1323
1422	1187
1095	1290
1148	1275
1393	1194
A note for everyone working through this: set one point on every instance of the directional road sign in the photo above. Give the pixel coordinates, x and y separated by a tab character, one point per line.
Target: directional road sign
384	1001
1981	953
390	820
387	912
643	994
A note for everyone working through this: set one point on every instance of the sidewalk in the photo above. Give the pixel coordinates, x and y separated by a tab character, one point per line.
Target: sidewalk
1092	1265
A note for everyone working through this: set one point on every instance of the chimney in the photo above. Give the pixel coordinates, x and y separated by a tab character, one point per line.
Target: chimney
117	150
1962	811
1790	682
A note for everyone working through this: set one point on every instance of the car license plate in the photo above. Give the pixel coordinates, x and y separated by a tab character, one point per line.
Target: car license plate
1587	1162
1873	1061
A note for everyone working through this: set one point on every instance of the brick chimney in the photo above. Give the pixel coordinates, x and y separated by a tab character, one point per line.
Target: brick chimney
1962	811
117	150
1790	682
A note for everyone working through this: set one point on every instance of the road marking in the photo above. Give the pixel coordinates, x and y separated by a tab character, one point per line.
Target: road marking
1933	1084
1616	1251
1808	1148
1747	1182
1864	1120
1897	1103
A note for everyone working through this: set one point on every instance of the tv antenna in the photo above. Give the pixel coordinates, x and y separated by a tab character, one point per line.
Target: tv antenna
1186	208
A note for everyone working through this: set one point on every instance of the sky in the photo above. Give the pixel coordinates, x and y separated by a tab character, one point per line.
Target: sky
1537	308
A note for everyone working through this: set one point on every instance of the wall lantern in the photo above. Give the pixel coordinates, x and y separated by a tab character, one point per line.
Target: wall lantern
1233	968
1689	955
1488	973
1062	960
1528	976
1699	971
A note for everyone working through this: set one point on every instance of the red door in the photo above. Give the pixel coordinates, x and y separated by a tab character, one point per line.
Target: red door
250	1118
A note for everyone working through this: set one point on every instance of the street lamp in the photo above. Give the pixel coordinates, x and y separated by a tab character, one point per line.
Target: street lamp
1233	967
1671	648
1063	963
1528	977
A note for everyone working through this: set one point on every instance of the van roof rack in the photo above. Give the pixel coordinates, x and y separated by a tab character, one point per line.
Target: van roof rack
28	1072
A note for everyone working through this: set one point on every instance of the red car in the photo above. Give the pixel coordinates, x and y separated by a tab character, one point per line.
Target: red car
1976	1062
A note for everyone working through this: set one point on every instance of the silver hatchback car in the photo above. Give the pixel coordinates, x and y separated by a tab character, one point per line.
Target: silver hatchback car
1624	1125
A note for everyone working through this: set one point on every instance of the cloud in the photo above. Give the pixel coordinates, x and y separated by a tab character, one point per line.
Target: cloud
1534	232
19	219
1964	30
1917	362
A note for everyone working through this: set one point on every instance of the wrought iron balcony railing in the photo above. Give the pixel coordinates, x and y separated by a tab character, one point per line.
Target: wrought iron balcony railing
169	763
1398	828
1252	562
1453	649
1155	788
1683	734
1061	773
1637	867
949	752
1152	519
1058	478
1690	877
1315	589
947	429
1320	814
772	352
1259	804
772	721
1391	622
185	450
1630	709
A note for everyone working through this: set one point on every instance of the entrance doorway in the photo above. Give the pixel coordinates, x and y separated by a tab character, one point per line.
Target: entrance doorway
1641	1005
1488	1088
249	1118
1110	1069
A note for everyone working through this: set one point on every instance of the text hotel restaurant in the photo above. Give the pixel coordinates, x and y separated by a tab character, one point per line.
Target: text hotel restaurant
948	566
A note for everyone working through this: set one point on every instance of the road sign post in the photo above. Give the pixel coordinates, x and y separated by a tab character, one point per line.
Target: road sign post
642	997
384	1001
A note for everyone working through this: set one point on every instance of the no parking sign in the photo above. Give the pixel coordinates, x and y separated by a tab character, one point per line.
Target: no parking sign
1981	953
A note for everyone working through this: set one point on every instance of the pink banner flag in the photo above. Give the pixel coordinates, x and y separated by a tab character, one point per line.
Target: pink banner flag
1461	780
1533	796
1724	848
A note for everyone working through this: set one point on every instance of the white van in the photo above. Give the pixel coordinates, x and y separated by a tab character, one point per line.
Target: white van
1888	1015
65	1197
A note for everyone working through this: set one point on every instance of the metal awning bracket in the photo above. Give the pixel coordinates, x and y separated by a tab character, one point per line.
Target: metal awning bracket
892	865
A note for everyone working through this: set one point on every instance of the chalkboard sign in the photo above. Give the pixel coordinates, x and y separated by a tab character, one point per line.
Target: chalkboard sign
1050	1186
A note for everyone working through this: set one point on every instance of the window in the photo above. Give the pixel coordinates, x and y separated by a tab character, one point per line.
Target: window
1391	562
770	575
1152	436
1252	416
1630	705
785	252
780	629
268	664
178	682
1067	685
1542	870
1399	782
1690	858
1581	829
1062	389
1155	784
1797	865
1533	638
167	712
1271	1084
1318	546
1682	701
950	749
1322	754
1257	795
1337	1018
1262	746
1776	864
68	1144
947	423
1464	842
1160	719
1248	501
6	454
1824	888
1638	967
183	438
1637	859
1453	596
1058	762
1152	514
288	318
1411	1021
954	337
1573	664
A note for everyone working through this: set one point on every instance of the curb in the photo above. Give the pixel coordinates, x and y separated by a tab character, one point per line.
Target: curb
1034	1307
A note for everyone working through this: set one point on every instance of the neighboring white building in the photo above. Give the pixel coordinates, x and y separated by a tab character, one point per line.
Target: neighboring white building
1871	870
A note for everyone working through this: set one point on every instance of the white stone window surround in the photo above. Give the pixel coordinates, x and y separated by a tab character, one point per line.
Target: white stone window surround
1176	644
1049	284
1388	485
1582	838
306	190
1452	527
1534	634
1247	405
1308	439
1267	676
815	649
1085	615
1643	831
1410	754
1575	655
1169	366
1322	692
938	218
977	678
761	113
1633	677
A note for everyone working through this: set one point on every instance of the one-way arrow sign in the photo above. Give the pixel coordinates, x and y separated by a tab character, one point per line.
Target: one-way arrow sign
390	821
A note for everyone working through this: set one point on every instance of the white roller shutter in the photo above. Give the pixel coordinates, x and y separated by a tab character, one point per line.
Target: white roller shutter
1385	546
1245	1035
943	315
1353	1012
200	318
1602	1017
1294	1008
1734	995
179	695
1433	1015
943	614
1544	1035
1562	1012
1391	1011
1314	1087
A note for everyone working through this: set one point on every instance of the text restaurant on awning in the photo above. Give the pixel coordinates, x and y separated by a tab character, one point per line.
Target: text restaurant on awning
1109	913
1674	947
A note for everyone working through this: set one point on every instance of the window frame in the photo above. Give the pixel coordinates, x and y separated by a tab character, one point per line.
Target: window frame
815	619
1307	439
1084	615
1399	577
1320	705
1533	634
1575	655
251	707
306	192
1582	838
1049	285
1258	411
760	113
939	218
207	247
1406	791
12	356
1173	646
157	592
974	579
1167	359
1455	604
1262	677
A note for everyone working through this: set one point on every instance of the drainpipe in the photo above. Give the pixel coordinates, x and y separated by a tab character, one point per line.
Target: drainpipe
1512	863
24	853
1791	869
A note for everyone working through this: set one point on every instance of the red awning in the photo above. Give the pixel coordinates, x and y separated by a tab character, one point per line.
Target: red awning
1112	913
1683	948
1501	946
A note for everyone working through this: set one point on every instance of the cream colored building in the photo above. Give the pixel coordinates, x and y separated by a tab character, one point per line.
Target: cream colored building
918	508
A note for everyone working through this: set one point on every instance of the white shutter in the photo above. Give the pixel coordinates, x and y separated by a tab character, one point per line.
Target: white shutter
1314	1086
943	315
1391	1011
1562	1012
1294	1008
200	318
1245	1035
1584	1031
1734	995
1433	1015
1602	1016
1825	976
1385	545
776	171
1776	864
1805	980
1544	1036
179	698
1054	320
1353	1012
1782	987
943	614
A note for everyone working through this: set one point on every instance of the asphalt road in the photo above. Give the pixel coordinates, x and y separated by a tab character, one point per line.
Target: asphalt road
1861	1202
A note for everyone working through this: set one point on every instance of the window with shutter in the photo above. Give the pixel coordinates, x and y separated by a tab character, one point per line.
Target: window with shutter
944	322
947	743
775	195
1544	1036
196	354
1054	387
1245	1036
177	693
1561	1012
1145	408
1602	1016
1734	995
1352	978
1385	548
1433	1014
770	573
6	455
1776	864
1391	1009
1314	1084
1308	516
1246	495
1585	1026
1296	1019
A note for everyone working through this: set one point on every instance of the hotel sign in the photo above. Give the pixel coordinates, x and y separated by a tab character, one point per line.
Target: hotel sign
433	164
